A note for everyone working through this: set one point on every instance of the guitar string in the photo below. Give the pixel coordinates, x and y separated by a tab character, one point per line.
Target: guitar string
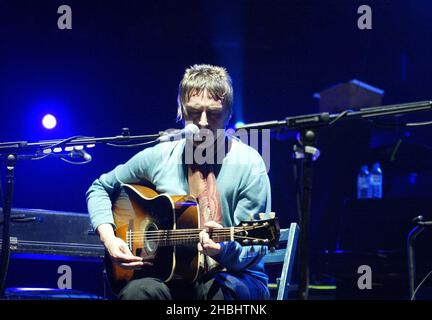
172	235
186	231
164	241
178	237
175	234
200	229
166	237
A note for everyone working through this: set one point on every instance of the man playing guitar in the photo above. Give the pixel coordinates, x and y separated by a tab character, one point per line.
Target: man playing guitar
231	187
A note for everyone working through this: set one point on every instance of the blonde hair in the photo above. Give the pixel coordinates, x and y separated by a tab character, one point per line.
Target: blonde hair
200	77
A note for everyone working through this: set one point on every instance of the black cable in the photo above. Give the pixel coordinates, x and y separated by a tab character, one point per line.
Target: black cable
395	150
417	124
340	116
403	125
41	157
65	141
297	185
75	162
418	287
131	145
57	145
7	207
1	191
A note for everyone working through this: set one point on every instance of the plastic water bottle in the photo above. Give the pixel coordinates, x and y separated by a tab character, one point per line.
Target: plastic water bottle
364	190
376	181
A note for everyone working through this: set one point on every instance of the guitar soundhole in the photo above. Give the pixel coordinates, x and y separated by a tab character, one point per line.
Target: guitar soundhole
150	239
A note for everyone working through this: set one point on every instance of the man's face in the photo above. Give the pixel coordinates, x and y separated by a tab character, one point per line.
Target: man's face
207	113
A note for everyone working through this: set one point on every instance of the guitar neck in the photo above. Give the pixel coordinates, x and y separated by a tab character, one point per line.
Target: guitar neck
182	236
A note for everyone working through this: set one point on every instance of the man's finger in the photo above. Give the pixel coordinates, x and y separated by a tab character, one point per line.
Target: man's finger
212	224
131	265
211	245
203	236
123	257
200	247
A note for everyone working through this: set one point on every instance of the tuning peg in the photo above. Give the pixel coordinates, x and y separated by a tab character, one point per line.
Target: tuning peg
246	241
261	215
272	249
272	215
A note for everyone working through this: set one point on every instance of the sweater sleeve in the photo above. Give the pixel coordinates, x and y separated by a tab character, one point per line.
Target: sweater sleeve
254	197
99	205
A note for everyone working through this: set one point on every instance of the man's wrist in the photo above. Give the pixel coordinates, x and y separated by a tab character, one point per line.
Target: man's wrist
106	232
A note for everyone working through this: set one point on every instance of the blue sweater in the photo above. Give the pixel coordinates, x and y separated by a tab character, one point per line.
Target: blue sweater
243	186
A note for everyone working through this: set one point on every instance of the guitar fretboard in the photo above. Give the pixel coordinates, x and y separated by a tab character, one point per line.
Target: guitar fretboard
179	236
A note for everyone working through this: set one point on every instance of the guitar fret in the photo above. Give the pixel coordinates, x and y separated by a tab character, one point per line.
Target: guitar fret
171	237
187	236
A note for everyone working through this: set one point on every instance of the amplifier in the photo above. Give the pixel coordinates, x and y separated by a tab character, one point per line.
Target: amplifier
53	232
54	250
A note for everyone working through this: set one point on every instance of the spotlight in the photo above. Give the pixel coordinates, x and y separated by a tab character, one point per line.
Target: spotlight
49	121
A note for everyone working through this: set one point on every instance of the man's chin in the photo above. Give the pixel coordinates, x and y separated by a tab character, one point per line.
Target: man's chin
206	138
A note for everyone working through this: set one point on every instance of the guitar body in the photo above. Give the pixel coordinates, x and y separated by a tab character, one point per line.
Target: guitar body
164	231
141	215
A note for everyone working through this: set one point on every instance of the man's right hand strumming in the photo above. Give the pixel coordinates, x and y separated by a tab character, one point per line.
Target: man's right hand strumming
118	249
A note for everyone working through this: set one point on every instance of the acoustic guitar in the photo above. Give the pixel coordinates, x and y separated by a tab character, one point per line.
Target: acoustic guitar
164	231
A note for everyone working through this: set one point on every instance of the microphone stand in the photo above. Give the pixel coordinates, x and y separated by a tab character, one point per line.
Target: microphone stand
419	228
11	152
10	162
305	152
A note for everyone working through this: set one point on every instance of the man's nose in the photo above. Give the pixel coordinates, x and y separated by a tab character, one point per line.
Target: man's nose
203	120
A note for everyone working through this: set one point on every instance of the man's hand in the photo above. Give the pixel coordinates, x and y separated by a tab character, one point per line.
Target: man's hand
118	249
206	245
121	255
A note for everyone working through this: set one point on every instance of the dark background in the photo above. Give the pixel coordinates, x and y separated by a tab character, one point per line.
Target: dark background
121	63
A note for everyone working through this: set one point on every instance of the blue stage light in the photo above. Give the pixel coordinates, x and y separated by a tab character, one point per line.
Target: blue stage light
49	121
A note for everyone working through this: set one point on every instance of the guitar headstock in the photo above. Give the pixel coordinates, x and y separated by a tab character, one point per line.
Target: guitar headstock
258	232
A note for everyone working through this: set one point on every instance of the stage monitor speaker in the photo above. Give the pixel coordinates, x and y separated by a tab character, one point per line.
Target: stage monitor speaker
54	253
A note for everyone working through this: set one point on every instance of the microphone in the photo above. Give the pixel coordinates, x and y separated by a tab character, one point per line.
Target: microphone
187	132
81	154
73	154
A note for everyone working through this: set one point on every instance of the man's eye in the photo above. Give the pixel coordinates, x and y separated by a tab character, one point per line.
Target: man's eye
213	114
